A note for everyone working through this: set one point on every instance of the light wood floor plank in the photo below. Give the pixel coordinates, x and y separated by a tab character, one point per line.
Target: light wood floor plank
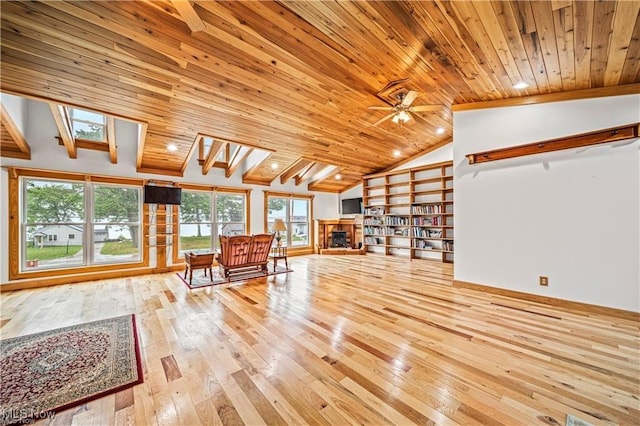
347	340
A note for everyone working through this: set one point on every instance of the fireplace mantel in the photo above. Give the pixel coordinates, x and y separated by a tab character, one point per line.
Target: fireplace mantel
353	229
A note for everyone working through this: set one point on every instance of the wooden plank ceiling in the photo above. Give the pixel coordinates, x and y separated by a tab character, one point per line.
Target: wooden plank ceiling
296	77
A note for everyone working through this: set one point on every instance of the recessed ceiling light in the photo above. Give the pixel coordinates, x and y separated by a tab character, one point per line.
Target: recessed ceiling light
521	85
338	176
274	165
396	153
172	147
440	130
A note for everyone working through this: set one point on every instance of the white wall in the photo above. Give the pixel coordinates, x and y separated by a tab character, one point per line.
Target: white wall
572	215
17	109
444	153
48	155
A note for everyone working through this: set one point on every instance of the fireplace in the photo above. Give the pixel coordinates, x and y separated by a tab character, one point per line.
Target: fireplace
338	239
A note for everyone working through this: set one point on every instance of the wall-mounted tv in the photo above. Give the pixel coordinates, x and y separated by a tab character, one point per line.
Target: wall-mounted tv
352	206
162	195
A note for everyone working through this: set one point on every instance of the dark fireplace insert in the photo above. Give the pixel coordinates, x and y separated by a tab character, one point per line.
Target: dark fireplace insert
338	239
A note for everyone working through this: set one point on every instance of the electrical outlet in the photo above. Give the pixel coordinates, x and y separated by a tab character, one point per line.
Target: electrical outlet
544	280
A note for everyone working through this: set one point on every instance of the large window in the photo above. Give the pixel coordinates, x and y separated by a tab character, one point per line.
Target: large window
116	224
70	224
295	213
204	216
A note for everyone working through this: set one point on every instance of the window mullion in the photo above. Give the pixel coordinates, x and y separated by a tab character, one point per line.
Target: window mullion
87	243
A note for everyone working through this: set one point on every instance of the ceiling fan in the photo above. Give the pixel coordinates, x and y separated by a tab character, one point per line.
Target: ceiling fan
401	111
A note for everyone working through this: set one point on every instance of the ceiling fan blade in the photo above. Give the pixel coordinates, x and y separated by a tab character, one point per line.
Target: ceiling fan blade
425	108
383	108
386	117
409	98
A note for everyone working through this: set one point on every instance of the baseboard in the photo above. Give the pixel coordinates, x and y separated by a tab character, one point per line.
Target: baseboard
342	251
551	301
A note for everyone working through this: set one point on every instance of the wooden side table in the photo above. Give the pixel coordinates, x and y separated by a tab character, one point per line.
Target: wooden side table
278	253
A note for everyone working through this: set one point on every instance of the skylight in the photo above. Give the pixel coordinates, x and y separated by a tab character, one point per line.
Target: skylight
88	125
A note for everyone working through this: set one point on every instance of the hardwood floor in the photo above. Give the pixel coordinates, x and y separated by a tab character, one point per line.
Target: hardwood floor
347	340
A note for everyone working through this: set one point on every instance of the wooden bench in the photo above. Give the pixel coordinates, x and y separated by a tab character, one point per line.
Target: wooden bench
242	252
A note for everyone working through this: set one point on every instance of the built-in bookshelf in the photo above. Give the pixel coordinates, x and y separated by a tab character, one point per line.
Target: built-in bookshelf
410	212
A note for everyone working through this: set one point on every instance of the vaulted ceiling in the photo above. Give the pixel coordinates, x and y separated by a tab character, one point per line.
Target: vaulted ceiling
295	78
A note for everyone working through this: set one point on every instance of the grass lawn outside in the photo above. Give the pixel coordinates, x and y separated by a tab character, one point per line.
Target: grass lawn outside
195	243
51	252
118	248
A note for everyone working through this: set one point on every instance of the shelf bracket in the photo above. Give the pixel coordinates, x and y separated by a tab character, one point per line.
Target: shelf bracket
585	139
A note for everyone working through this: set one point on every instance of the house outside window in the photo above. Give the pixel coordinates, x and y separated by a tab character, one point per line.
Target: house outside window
67	224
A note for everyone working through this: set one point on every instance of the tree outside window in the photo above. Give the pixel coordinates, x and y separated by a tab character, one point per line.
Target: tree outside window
51	208
204	216
295	214
58	232
116	223
88	125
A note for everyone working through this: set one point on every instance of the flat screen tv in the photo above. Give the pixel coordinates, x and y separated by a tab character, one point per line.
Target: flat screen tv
162	195
352	206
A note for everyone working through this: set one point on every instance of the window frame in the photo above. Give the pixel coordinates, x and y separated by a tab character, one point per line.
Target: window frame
72	120
178	254
16	245
292	249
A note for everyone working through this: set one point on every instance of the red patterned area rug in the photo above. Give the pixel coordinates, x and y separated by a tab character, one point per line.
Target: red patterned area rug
199	280
45	373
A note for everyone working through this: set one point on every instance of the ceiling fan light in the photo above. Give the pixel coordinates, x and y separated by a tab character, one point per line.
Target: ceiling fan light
401	117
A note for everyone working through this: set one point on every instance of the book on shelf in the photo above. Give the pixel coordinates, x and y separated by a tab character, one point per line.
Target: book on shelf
435	233
426	209
396	220
422	244
373	241
374	211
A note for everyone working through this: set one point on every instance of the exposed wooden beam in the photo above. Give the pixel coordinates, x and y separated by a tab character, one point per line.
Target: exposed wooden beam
318	176
329	176
237	161
12	153
214	150
231	156
14	132
64	129
577	141
294	169
88	144
315	168
246	175
111	139
188	13
142	137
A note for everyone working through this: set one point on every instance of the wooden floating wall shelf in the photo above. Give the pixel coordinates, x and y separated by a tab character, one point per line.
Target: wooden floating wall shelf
577	141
